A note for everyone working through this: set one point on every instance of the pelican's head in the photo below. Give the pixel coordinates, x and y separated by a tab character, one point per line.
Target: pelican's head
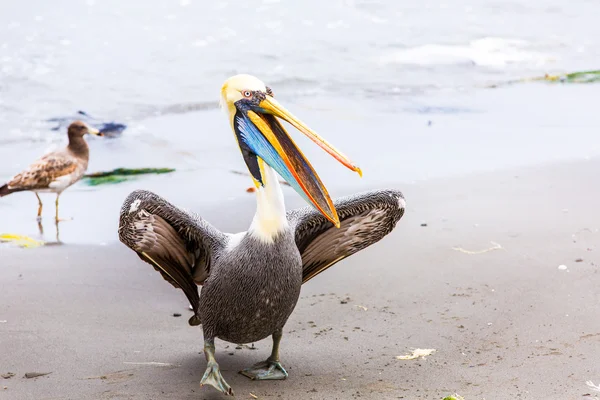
253	114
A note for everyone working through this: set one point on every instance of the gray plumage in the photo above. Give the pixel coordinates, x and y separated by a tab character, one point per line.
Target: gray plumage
250	287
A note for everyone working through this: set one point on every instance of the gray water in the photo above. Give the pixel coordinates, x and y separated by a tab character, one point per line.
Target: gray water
400	86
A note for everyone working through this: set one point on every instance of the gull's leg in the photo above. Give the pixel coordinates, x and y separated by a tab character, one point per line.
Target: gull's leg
40	206
56	217
271	368
212	375
57	196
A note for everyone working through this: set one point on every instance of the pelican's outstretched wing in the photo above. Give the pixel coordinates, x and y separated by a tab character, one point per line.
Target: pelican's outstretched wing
365	219
178	244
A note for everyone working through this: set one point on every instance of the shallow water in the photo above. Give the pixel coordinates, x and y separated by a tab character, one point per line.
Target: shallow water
396	85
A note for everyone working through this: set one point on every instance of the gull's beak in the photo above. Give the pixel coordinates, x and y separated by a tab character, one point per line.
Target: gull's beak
260	132
93	131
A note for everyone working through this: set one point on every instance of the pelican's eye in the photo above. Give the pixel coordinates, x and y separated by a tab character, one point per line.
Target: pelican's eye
269	92
247	94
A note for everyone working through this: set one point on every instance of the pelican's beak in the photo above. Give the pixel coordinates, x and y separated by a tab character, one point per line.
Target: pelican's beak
93	131
272	106
260	133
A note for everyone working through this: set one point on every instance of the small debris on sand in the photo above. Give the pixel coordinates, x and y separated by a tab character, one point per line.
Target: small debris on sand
251	190
496	246
423	224
361	307
253	396
579	260
117	376
30	375
20	240
454	397
7	375
245	346
592	386
562	267
176	314
158	364
345	301
417	353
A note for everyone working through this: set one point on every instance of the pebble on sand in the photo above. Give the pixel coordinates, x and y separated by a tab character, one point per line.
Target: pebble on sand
562	267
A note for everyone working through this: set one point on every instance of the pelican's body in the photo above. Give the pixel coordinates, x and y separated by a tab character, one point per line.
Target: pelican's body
251	280
253	290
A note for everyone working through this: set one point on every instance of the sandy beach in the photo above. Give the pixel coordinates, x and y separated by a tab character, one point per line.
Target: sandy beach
484	114
472	271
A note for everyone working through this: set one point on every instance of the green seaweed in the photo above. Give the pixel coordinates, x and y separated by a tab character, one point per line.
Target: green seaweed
121	175
102	180
584	77
592	76
573	77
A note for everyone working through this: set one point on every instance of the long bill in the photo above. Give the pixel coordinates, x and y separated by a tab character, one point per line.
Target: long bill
268	139
272	106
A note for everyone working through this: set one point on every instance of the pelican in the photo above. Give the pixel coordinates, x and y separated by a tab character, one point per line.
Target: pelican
251	280
55	171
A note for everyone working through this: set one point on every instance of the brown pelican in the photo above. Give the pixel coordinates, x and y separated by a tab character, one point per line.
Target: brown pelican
251	280
55	171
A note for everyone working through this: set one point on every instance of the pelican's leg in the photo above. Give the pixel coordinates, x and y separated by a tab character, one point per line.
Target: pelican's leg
212	375
271	368
40	206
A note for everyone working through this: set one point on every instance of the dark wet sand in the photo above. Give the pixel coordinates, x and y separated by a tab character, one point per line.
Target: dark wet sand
506	323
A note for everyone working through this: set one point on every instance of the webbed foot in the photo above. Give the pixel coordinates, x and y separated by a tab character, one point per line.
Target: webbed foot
212	376
266	370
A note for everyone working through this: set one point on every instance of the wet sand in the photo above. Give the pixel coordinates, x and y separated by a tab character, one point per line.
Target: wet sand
506	323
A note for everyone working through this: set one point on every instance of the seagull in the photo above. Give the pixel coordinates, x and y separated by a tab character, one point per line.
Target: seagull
55	171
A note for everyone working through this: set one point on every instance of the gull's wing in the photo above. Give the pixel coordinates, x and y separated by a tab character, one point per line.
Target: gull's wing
45	172
178	244
365	219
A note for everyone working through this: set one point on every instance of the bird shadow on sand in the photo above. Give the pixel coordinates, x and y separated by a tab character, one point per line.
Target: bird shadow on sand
186	375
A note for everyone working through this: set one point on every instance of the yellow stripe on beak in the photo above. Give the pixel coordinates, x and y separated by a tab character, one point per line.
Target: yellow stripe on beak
298	166
273	106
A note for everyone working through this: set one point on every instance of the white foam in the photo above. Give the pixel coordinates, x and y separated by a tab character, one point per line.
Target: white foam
487	52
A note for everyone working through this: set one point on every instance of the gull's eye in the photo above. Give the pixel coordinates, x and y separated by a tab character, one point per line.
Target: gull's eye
247	94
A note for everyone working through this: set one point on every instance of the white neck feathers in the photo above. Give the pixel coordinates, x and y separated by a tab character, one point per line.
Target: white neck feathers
270	218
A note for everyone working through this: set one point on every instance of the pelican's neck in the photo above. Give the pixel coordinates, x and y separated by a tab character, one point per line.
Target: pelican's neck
270	218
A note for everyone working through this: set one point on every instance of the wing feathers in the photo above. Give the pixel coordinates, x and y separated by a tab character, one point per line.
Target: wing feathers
44	172
365	219
177	244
